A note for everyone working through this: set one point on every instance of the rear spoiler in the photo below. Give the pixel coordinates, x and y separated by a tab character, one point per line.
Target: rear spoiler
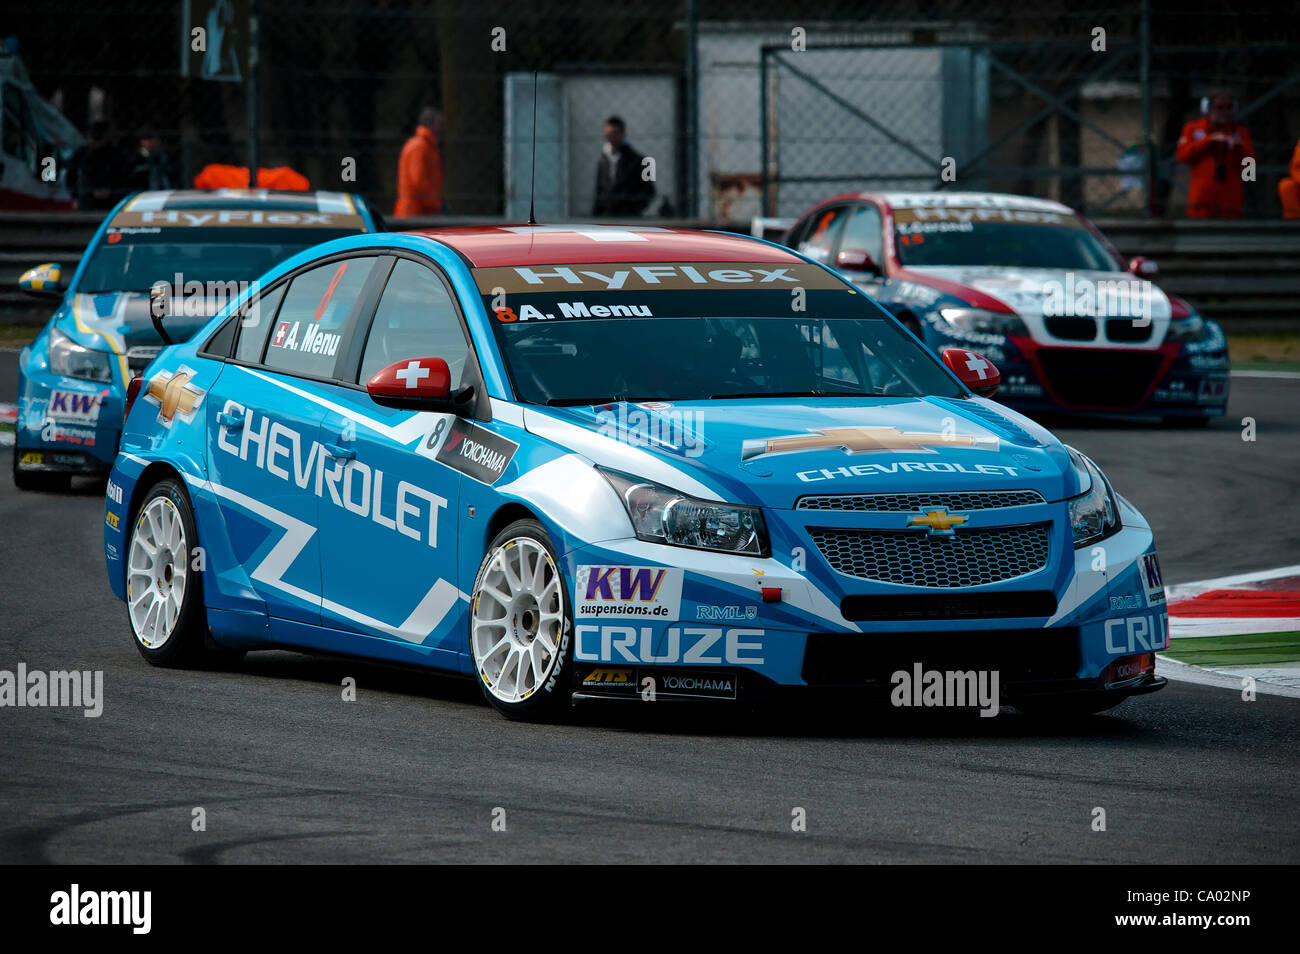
769	227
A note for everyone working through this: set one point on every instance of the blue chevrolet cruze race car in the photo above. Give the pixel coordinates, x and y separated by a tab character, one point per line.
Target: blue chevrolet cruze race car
593	462
194	251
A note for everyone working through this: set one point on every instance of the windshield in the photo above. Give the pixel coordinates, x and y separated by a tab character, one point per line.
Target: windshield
955	236
659	331
688	359
137	265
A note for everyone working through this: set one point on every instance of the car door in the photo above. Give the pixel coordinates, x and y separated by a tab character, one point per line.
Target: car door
389	562
267	462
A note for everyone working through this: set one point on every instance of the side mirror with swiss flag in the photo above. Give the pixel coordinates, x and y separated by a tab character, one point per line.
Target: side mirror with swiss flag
414	384
975	371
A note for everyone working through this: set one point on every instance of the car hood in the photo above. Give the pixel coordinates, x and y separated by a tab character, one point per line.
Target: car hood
1029	290
122	320
770	452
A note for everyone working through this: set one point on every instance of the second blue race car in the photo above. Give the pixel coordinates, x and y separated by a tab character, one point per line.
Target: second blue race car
195	251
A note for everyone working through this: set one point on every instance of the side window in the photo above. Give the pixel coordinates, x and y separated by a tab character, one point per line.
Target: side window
862	231
309	327
416	318
820	240
253	326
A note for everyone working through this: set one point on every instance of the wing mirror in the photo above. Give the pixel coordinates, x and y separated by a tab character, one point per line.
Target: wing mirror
856	260
1146	267
975	371
43	281
416	384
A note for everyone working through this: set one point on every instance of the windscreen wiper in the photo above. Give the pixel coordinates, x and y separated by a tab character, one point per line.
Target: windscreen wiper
794	394
594	402
772	394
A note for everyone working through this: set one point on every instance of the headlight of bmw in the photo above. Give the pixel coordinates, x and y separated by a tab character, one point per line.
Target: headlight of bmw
984	322
1191	328
660	515
1094	514
68	357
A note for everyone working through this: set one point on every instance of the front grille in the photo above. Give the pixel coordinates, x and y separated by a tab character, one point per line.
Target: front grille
1071	329
917	502
920	558
924	606
1096	378
1127	329
1017	655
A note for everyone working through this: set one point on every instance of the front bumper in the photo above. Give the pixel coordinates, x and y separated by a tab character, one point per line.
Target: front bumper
721	641
66	425
1174	379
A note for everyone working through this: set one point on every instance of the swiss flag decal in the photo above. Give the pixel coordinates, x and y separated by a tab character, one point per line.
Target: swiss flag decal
975	371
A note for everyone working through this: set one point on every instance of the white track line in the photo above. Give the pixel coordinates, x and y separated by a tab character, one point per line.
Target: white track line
1183	672
1184	591
1269	375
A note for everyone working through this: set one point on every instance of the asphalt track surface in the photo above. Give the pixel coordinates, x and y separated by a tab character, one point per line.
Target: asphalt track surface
413	770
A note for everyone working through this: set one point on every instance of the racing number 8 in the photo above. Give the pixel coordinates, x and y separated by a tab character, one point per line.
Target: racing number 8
435	434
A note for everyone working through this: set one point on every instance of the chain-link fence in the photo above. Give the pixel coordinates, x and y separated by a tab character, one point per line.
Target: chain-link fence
743	107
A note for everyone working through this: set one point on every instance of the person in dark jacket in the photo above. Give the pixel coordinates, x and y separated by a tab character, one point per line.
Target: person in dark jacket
621	188
152	168
101	171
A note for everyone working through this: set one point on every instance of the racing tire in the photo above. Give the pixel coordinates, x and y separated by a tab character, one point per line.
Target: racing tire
521	626
27	480
1067	707
164	595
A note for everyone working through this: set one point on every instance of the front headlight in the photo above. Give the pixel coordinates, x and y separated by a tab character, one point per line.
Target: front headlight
1191	328
1094	514
984	322
69	358
660	515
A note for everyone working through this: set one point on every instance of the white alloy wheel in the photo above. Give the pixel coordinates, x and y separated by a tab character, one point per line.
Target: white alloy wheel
517	619
156	574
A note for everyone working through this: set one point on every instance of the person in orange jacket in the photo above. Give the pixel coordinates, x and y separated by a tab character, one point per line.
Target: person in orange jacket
1214	147
419	170
1288	189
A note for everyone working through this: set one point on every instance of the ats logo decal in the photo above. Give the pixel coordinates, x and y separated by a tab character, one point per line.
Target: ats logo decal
862	440
610	678
629	591
174	395
476	452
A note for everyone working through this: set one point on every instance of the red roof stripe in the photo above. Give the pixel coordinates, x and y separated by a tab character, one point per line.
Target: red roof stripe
493	246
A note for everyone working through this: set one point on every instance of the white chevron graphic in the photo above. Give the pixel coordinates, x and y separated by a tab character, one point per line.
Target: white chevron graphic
416	628
414	427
